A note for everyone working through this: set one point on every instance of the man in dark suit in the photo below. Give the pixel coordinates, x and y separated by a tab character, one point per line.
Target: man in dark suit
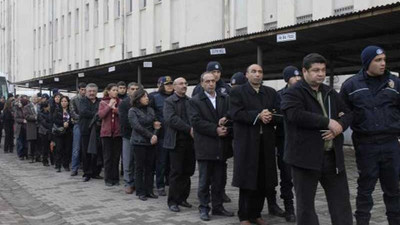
212	144
178	140
315	117
254	171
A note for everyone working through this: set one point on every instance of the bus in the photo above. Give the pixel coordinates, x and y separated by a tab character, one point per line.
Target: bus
3	86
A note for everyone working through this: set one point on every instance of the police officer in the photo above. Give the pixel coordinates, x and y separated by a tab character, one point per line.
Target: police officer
237	79
291	75
373	96
216	69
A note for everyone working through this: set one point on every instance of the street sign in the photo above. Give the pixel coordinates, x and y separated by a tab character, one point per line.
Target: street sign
147	64
81	75
217	51
286	37
56	79
40	81
111	69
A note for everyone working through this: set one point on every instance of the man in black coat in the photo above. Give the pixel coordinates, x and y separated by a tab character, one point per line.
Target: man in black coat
178	139
212	144
315	117
254	170
88	107
128	158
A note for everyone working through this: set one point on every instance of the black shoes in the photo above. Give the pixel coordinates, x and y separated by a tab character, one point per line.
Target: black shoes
86	179
275	210
143	197
58	170
204	215
222	212
225	198
97	177
161	192
74	173
67	169
174	208
108	184
151	195
290	217
185	204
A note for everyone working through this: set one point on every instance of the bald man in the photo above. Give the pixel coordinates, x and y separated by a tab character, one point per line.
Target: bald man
178	140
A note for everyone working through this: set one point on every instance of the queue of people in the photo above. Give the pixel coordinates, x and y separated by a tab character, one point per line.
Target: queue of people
158	138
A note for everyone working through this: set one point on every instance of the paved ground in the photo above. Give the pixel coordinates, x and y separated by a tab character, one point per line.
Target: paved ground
33	194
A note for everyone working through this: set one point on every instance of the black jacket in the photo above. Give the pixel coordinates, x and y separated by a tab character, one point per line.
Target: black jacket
204	118
245	105
173	121
58	119
123	110
88	110
141	121
304	121
374	113
45	123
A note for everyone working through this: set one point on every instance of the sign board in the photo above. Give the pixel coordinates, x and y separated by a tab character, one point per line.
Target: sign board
40	81
111	69
147	64
81	75
217	51
286	37
56	79
27	85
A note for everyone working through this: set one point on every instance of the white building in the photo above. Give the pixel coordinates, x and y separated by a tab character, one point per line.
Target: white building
42	37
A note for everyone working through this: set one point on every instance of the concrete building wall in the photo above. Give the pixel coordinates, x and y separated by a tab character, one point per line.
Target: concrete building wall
42	37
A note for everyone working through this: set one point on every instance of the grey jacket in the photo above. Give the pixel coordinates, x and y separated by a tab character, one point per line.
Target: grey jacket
141	121
173	122
31	116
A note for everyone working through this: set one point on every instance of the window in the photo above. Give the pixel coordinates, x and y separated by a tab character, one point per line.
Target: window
129	55
62	26
142	4
96	13
143	52
34	38
117	9
158	49
270	26
76	65
44	72
50	71
39	36
69	25
304	19
343	10
241	31
50	32
56	30
129	6
87	63
87	16
44	34
69	67
96	61
175	45
77	21
106	11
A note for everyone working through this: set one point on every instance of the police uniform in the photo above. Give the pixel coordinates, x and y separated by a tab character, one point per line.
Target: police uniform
375	104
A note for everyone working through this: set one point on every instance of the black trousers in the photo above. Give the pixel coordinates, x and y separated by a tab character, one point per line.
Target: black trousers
9	137
144	164
112	147
63	151
90	163
285	174
378	161
336	190
45	147
182	166
251	202
211	174
34	149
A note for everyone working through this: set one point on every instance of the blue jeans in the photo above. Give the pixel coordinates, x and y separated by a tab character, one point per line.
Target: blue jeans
162	164
21	145
128	158
76	147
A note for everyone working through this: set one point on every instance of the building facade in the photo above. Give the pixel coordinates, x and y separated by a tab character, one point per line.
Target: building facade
43	37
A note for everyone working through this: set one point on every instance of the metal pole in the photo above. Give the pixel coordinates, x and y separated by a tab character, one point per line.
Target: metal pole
332	72
77	83
259	56
139	74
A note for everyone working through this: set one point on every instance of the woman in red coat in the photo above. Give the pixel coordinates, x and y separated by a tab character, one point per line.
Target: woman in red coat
110	134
